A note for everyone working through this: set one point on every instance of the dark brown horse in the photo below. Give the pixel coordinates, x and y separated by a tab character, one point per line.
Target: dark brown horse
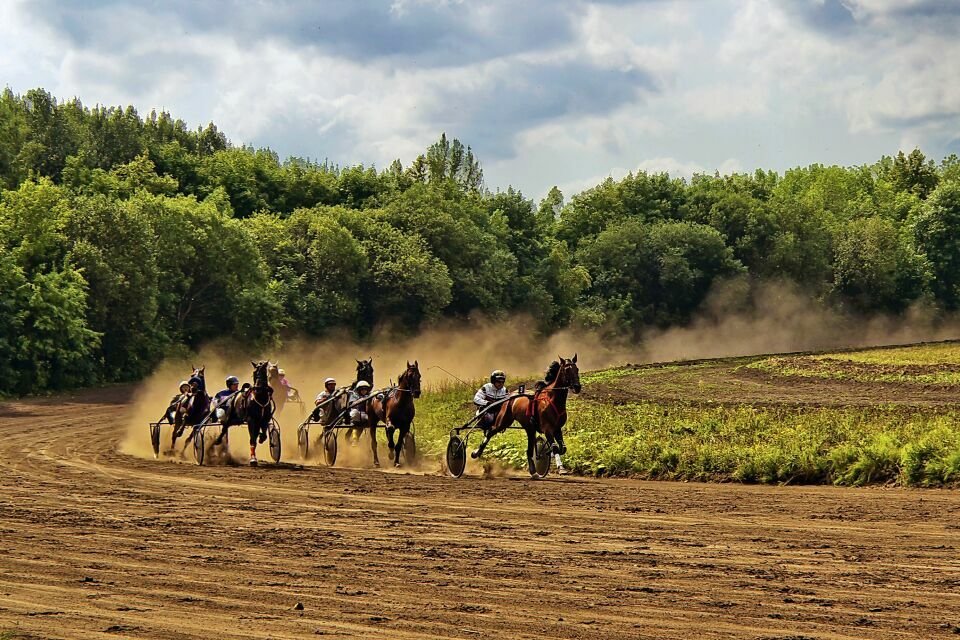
545	412
364	372
254	406
395	409
193	405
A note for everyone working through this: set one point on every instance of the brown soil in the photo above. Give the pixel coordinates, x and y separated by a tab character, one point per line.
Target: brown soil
730	382
98	544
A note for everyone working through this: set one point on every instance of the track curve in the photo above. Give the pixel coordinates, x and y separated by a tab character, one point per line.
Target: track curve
97	543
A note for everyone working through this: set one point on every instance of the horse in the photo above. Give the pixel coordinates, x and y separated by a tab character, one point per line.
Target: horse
544	412
364	372
396	410
255	406
273	379
192	406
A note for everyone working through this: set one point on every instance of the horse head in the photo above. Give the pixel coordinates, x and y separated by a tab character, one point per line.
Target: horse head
260	376
365	370
568	374
196	380
410	379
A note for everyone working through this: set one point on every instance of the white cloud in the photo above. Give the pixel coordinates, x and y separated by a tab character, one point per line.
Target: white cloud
568	95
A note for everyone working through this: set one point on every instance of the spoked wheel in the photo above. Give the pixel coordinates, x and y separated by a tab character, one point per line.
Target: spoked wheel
541	458
330	447
155	438
199	447
409	450
273	434
303	441
456	456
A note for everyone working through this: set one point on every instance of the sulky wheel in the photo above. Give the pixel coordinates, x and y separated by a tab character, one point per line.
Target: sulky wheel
409	450
541	458
199	444
303	441
155	438
273	433
456	456
330	447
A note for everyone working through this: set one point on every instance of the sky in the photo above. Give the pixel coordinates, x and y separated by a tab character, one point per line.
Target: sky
546	92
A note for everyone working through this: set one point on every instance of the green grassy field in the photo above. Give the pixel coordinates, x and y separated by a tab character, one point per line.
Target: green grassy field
865	417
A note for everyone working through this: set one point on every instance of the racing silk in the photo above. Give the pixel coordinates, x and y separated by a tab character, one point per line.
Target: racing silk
489	393
226	393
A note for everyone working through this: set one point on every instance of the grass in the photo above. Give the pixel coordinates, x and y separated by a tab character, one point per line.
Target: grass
782	444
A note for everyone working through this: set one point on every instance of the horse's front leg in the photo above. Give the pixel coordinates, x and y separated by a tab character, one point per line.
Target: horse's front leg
531	445
399	446
390	429
254	430
373	441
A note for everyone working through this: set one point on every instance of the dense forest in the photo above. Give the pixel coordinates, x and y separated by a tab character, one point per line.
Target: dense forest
124	238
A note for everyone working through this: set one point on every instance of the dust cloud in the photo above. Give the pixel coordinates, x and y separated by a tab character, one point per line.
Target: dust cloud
447	353
737	319
779	317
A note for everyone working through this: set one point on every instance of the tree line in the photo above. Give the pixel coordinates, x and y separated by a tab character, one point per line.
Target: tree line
126	238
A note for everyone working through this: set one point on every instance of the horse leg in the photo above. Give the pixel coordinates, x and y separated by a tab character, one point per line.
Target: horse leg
390	429
373	442
487	434
400	440
531	444
559	450
254	431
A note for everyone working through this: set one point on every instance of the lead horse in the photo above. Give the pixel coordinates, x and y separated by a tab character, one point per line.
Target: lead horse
396	410
545	412
254	406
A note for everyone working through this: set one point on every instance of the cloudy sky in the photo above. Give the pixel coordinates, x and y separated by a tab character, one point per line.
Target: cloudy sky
547	92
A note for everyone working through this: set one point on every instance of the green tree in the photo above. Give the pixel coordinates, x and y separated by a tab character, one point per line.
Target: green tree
876	268
937	233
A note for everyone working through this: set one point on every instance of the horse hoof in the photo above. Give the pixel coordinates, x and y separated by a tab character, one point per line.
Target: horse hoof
475	454
263	438
253	462
376	464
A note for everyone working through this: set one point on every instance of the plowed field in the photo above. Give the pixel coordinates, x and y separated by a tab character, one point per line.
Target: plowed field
98	544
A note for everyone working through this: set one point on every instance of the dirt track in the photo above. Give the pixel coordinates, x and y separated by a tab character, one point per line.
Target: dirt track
96	543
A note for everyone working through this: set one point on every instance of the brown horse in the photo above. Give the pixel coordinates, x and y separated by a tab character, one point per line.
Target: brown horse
395	409
256	407
545	412
193	405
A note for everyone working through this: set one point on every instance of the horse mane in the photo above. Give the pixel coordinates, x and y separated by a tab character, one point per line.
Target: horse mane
552	372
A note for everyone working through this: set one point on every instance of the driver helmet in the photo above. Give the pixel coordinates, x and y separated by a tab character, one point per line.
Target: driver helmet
232	380
281	372
498	376
329	381
363	384
184	383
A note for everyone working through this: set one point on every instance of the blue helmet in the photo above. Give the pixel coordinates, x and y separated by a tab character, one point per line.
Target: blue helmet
232	380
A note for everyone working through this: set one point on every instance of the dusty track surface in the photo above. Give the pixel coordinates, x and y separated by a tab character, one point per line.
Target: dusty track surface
96	543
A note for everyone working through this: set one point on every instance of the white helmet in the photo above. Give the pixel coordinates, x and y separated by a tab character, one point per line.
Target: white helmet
281	372
363	384
183	383
328	381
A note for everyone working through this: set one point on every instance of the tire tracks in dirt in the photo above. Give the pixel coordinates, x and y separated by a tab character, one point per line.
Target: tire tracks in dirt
102	544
